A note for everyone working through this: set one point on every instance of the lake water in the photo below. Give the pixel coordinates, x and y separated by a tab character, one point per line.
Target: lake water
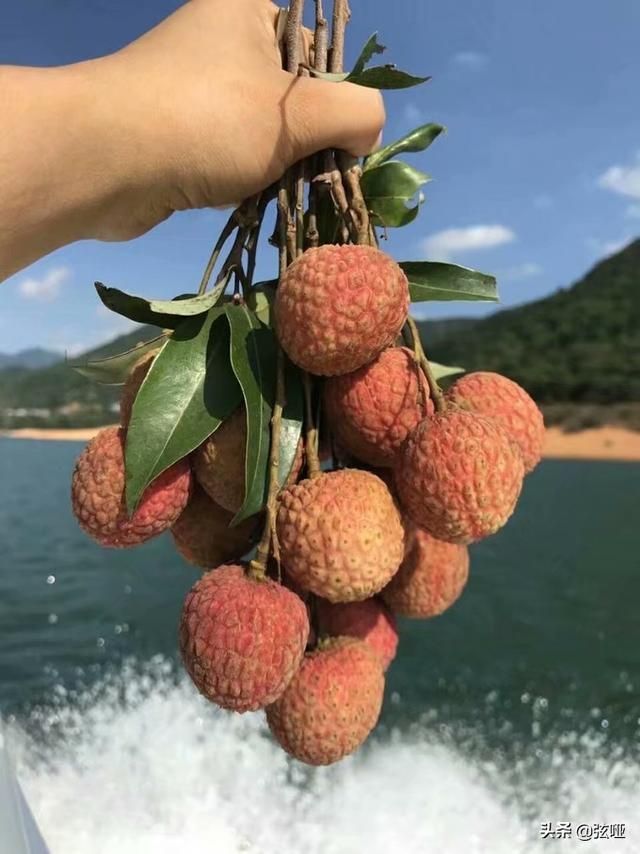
519	706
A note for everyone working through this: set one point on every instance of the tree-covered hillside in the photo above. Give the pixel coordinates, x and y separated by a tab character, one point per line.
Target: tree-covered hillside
579	345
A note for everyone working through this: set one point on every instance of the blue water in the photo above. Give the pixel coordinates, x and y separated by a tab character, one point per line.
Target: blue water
520	705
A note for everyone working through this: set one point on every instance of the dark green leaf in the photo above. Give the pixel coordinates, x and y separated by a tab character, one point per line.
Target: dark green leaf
418	140
253	350
187	394
387	190
116	369
167	314
371	48
385	77
260	300
433	280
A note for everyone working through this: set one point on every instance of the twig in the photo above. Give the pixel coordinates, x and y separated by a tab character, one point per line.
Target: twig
420	356
311	437
341	16
321	42
294	26
225	234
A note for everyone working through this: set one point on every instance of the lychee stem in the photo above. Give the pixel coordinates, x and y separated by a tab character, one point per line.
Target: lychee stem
421	359
341	16
311	437
225	234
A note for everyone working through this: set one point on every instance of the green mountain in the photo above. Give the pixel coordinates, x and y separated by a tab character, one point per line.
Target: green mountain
35	357
579	346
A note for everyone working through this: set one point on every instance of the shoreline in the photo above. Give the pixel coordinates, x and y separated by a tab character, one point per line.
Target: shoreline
598	443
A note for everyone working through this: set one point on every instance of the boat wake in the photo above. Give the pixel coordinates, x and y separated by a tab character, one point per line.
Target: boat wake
140	764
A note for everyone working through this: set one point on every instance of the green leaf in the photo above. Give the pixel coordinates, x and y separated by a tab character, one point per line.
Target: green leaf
387	190
385	77
253	359
436	281
371	48
187	394
115	369
418	140
292	418
261	298
378	77
441	371
167	314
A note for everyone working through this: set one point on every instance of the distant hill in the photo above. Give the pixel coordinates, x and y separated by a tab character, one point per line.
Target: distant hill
578	347
33	358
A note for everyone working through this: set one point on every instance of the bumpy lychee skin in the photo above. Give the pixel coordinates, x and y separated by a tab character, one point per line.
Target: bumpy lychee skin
97	494
508	403
337	307
132	386
332	703
219	462
459	476
431	578
340	535
373	409
242	639
202	534
370	621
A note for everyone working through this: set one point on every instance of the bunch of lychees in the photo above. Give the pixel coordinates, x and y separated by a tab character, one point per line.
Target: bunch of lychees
305	628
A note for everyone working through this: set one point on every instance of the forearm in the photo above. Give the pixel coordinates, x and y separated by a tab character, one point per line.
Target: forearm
64	158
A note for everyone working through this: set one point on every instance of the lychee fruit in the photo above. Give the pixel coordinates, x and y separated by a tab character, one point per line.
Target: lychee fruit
430	579
241	638
332	703
508	403
219	462
132	385
337	307
202	534
370	621
458	476
98	500
340	535
373	409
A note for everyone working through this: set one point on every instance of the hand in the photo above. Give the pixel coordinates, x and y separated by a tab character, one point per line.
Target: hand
197	112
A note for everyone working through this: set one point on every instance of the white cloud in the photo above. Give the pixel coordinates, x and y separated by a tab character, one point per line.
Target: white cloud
633	211
522	271
604	248
444	244
471	59
46	288
624	180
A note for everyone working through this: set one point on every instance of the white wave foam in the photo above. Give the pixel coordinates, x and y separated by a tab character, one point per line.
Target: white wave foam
144	766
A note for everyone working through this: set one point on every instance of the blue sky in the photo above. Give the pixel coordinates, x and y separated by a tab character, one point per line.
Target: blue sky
537	178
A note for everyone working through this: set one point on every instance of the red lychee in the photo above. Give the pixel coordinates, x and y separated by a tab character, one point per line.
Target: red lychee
340	535
370	621
202	534
132	386
373	409
459	476
242	639
337	307
97	494
430	579
508	403
332	703
219	462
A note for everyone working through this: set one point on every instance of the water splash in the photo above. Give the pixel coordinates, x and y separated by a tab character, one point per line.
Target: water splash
139	764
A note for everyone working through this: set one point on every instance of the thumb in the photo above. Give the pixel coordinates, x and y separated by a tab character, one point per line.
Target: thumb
319	114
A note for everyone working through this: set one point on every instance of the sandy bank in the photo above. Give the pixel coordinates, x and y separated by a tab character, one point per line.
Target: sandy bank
81	434
600	443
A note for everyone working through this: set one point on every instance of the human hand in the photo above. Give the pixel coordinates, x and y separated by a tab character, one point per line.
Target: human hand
197	112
